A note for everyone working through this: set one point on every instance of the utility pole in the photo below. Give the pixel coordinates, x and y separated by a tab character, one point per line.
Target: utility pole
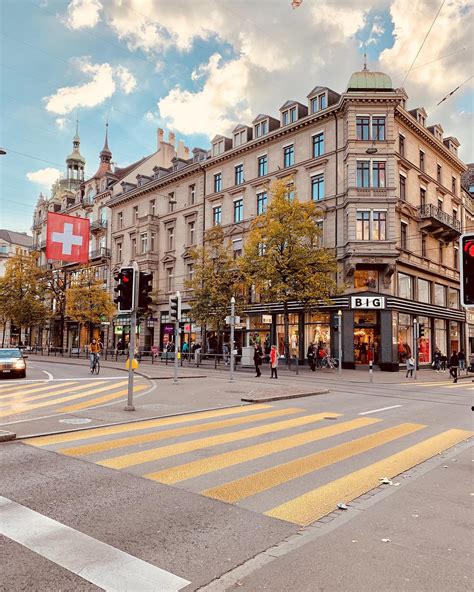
133	329
415	346
339	337
176	337
232	327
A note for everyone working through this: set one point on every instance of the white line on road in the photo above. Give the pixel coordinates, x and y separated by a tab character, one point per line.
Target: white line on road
98	563
49	375
381	409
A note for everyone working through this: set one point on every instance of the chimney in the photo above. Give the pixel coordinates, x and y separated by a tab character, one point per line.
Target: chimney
160	137
171	138
183	152
186	152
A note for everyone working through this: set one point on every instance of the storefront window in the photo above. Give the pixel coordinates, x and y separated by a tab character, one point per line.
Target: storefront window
454	334
317	330
453	298
366	280
424	290
293	334
440	336
405	286
260	333
440	295
405	337
424	343
366	337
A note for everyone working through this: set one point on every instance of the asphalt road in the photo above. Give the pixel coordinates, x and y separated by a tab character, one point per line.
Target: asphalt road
247	496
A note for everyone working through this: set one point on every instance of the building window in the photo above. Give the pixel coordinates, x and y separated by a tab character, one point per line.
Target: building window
456	257
238	210
170	237
153	207
441	253
288	156
169	279
423	245
134	247
261	202
119	251
363	173
217	182
363	128
290	191
455	214
192	194
320	235
401	145
120	219
424	291
422	196
439	295
378	174
403	235
191	233
453	298
438	174
314	105
171	202
143	242
262	165
378	128
379	225
318	145
317	187
239	174
285	118
152	242
403	195
405	286
218	148
189	272
322	102
366	280
216	215
293	115
453	184
239	138
261	129
135	213
422	160
440	204
363	225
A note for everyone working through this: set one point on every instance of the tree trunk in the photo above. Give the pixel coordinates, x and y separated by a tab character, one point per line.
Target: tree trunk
286	321
4	331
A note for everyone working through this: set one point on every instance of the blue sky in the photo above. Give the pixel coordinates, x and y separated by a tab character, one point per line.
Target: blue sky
197	68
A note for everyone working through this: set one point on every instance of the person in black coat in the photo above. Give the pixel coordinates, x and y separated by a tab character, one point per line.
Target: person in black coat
311	355
257	360
453	366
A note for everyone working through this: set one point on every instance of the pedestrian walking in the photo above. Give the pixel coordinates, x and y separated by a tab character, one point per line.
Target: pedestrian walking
257	360
453	366
410	366
225	353
274	362
311	355
462	361
185	350
444	361
437	360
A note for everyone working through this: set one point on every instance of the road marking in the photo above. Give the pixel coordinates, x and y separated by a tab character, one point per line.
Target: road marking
381	409
24	396
235	457
317	503
138	458
104	399
240	489
22	407
141	425
173	433
48	374
105	566
15	384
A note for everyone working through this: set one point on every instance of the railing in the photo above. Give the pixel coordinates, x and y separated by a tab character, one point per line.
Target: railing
431	211
37	246
98	225
102	252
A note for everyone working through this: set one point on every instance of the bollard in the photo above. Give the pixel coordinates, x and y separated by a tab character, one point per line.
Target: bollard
371	370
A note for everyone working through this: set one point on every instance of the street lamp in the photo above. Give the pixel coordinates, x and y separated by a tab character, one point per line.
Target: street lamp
339	336
232	325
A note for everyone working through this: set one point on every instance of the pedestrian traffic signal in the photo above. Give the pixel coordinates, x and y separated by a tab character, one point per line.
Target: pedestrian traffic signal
125	289
144	288
175	307
467	269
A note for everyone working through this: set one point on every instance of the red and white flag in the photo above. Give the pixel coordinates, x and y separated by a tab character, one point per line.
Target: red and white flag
67	238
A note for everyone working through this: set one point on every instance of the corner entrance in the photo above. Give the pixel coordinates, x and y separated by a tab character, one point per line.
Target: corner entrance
366	337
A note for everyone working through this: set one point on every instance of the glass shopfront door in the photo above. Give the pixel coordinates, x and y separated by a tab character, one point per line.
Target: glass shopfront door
366	337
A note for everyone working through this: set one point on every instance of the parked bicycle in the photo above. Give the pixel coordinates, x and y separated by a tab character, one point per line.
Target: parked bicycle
329	362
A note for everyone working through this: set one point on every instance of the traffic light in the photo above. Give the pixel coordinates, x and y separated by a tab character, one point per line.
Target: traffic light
144	288
467	269
421	330
175	307
125	289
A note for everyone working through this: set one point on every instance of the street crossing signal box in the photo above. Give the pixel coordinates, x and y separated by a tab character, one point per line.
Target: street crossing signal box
467	269
175	308
145	286
125	289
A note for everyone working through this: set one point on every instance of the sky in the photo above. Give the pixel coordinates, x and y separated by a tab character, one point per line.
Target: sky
199	67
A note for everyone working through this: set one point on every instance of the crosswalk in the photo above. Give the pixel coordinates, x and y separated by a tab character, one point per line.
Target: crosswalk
464	385
284	462
61	396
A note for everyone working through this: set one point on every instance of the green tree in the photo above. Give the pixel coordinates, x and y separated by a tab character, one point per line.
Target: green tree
86	299
23	292
283	258
216	278
4	308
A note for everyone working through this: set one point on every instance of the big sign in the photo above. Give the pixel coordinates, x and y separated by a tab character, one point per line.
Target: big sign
67	238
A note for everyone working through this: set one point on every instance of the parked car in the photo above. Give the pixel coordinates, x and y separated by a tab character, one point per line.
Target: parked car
12	362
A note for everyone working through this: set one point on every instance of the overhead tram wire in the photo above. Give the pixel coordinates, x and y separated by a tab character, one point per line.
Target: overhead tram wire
447	55
423	42
448	95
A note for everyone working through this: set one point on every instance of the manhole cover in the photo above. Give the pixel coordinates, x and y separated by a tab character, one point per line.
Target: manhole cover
77	421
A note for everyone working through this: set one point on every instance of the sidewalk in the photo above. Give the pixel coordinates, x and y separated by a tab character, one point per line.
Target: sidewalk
162	371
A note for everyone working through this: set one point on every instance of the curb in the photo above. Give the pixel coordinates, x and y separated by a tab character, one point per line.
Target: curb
6	436
282	397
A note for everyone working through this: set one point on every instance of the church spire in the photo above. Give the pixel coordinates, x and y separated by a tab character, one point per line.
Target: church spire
106	154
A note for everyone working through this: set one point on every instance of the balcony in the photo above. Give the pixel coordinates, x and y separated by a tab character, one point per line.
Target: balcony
98	225
101	253
37	247
437	223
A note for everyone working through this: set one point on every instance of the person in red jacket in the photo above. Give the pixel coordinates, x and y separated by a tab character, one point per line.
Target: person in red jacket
274	362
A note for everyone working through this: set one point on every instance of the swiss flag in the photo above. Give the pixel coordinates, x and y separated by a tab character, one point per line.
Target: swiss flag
67	238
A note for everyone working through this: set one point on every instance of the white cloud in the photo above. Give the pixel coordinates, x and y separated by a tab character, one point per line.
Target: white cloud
44	177
61	122
90	94
82	14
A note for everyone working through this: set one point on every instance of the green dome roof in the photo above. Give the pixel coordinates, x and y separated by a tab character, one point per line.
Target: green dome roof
366	80
76	156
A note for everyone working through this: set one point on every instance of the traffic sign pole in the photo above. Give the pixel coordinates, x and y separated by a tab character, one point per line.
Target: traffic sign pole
131	352
176	337
232	326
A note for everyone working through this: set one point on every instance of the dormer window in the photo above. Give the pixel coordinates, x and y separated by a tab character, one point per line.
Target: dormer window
421	118
261	129
289	116
218	148
318	103
239	138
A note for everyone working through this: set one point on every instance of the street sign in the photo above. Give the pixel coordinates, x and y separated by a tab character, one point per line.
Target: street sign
364	302
267	319
229	320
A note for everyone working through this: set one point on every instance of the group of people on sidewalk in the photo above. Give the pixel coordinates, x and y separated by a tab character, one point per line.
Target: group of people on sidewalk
457	362
258	361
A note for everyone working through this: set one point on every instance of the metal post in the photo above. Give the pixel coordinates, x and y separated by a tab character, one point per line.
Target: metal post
371	371
133	330
176	349
232	326
415	346
339	337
